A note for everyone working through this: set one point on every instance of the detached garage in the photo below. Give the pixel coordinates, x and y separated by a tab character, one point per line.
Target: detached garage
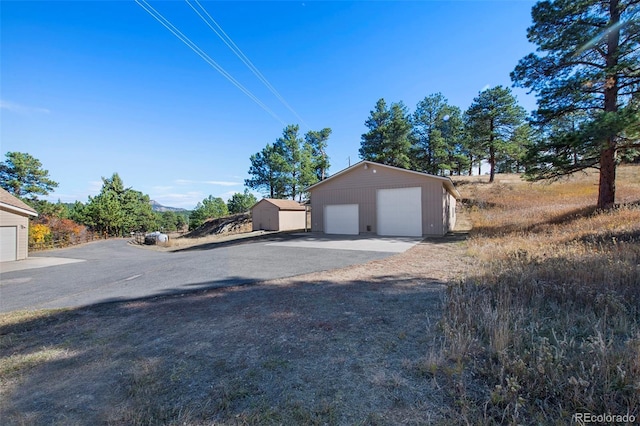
374	198
14	227
278	215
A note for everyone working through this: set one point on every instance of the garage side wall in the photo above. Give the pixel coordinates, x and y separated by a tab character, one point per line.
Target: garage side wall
359	186
449	210
22	225
264	216
291	220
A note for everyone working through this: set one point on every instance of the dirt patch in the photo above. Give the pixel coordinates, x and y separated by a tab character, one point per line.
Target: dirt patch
349	346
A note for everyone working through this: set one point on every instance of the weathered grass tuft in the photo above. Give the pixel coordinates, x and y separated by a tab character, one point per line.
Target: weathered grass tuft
551	325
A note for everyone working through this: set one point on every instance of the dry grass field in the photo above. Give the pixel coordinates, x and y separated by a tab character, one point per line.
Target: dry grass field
551	326
533	317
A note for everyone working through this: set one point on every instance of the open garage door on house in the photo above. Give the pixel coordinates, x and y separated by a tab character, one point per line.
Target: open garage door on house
8	243
399	212
341	219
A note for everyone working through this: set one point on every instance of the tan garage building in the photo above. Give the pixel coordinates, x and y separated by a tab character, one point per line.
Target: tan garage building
14	227
278	215
374	198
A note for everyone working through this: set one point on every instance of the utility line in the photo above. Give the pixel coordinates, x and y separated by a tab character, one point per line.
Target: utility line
168	25
236	50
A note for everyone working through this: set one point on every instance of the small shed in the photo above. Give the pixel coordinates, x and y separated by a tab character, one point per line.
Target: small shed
374	198
271	214
14	227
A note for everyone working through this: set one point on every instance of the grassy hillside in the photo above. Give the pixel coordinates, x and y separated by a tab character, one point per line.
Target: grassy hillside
550	324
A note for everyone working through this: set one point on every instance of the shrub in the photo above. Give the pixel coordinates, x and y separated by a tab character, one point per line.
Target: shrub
38	233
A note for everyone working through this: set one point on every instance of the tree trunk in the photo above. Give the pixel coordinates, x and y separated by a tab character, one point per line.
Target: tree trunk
492	164
492	152
607	184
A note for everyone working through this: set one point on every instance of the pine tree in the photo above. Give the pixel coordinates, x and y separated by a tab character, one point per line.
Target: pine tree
289	165
491	121
436	136
23	176
288	146
240	203
117	210
317	141
266	172
388	138
210	208
587	72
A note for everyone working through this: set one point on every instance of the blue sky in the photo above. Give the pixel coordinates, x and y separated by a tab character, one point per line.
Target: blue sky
96	87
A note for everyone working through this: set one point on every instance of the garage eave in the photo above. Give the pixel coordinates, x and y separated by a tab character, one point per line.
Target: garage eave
13	204
451	188
18	210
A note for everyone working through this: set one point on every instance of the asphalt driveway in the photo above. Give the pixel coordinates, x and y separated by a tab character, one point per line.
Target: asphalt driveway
114	270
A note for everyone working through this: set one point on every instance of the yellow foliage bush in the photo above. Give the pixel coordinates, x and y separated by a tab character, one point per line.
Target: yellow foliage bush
39	232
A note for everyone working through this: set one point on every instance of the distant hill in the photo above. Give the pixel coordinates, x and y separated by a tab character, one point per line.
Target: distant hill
157	207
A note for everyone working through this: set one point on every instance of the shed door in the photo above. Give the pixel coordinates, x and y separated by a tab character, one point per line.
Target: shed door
399	212
341	219
8	243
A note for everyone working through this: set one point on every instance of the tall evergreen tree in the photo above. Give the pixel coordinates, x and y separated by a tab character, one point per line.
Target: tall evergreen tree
78	213
104	213
167	221
138	213
117	210
210	208
388	139
373	142
513	158
290	164
492	119
317	141
588	64
266	172
240	203
308	168
23	176
436	135
288	146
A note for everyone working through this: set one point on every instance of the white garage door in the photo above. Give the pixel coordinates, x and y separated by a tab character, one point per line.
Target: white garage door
341	219
8	243
399	212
